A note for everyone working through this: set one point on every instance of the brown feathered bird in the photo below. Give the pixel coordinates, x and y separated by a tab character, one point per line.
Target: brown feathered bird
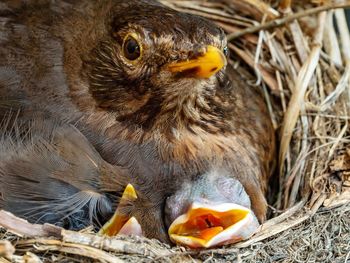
150	89
49	172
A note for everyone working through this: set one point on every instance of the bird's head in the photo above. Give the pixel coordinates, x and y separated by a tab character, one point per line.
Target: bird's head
159	69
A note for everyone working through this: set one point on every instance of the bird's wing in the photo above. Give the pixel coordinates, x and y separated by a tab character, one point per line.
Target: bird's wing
49	172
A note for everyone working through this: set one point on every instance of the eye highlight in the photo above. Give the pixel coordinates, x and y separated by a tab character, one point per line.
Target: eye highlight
226	51
131	48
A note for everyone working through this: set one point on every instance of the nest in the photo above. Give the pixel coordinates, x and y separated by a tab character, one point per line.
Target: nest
299	53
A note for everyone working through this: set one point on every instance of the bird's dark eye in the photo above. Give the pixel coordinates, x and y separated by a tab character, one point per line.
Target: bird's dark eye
226	51
131	48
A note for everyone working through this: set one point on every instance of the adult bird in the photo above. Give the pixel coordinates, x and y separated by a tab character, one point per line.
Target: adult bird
151	90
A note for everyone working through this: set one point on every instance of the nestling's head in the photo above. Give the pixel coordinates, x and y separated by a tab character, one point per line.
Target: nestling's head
212	210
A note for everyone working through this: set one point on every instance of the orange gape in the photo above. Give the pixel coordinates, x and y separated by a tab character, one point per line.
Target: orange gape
209	233
114	225
122	223
207	226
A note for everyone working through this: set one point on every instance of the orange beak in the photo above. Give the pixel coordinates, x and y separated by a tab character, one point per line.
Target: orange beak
122	223
203	66
205	226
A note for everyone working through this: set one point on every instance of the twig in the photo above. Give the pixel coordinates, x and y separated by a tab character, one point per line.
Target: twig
75	249
267	76
341	87
304	78
22	227
285	20
114	244
304	148
344	34
274	231
337	141
287	214
331	43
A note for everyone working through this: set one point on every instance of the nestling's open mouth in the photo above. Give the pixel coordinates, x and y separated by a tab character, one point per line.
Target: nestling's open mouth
212	225
122	223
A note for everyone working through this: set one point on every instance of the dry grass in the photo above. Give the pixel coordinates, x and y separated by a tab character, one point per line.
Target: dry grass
325	237
300	54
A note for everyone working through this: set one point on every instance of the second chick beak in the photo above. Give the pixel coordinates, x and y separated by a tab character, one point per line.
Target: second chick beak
202	66
122	223
205	226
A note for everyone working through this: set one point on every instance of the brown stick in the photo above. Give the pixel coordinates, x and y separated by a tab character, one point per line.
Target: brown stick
285	20
22	227
112	244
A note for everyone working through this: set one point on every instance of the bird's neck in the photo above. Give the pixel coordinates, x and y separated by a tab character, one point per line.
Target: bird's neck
187	128
191	129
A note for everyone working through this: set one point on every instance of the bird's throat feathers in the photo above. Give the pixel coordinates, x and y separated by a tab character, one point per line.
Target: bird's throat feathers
188	123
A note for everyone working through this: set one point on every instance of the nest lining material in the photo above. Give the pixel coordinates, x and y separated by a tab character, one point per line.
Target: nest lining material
300	53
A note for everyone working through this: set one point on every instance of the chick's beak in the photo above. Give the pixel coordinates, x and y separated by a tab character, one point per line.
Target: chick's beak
205	226
202	66
122	223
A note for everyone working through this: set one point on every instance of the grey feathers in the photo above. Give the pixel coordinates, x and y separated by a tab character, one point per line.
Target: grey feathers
50	173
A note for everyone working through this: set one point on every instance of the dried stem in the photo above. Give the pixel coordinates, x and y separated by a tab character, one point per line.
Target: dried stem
285	20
